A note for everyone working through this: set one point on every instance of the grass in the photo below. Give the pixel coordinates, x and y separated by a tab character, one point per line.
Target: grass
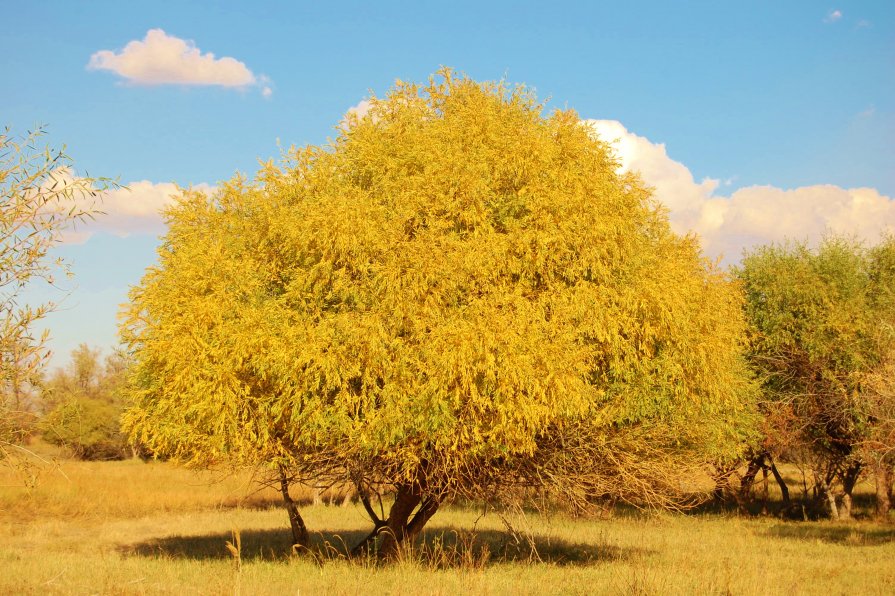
151	528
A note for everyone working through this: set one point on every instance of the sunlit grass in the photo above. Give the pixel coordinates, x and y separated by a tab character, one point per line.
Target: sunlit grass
134	527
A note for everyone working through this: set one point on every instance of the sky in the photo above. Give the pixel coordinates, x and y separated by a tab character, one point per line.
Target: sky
754	121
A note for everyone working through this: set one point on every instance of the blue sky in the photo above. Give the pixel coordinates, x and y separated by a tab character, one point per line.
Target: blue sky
754	121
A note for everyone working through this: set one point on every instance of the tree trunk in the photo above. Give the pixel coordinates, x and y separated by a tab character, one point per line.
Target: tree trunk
784	490
849	480
845	508
890	488
300	537
406	500
722	483
421	517
364	545
883	488
826	492
399	526
831	503
755	464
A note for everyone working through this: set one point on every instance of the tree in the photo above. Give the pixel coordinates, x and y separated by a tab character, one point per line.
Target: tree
822	333
457	297
40	199
84	405
877	449
878	390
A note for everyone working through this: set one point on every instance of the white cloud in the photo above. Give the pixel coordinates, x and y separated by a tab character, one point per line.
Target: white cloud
870	112
727	223
761	214
162	59
674	183
833	16
358	112
751	215
266	86
127	211
361	109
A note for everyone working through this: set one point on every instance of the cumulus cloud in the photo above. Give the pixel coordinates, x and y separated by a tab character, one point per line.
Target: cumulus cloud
761	214
833	16
136	209
751	215
674	183
162	59
361	109
358	111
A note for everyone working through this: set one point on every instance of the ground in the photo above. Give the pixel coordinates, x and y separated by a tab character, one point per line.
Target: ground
144	528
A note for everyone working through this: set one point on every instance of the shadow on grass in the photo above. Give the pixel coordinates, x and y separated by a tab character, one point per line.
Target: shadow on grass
751	508
440	546
799	509
264	503
848	535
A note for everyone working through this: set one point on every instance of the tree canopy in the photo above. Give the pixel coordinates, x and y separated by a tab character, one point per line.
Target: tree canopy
457	296
822	340
83	405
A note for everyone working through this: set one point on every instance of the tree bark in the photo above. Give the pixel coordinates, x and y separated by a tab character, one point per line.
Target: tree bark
883	488
831	503
824	493
378	524
784	490
406	500
845	507
849	480
427	509
300	537
399	526
755	464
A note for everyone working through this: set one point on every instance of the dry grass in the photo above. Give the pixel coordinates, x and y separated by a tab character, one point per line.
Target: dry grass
135	528
127	489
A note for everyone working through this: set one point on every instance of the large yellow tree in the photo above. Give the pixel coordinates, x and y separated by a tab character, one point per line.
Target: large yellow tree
458	296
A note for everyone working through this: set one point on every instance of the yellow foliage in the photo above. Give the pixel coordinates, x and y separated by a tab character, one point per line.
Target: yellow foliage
455	282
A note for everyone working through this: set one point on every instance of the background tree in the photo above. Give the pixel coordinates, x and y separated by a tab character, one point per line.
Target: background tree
878	390
40	199
878	447
84	405
458	297
822	329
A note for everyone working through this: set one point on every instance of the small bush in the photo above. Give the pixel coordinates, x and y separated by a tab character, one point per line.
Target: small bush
89	427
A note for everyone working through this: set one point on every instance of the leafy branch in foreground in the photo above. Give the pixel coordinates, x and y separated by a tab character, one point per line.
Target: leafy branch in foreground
40	200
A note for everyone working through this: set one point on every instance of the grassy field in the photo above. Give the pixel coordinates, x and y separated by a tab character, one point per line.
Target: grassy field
133	528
